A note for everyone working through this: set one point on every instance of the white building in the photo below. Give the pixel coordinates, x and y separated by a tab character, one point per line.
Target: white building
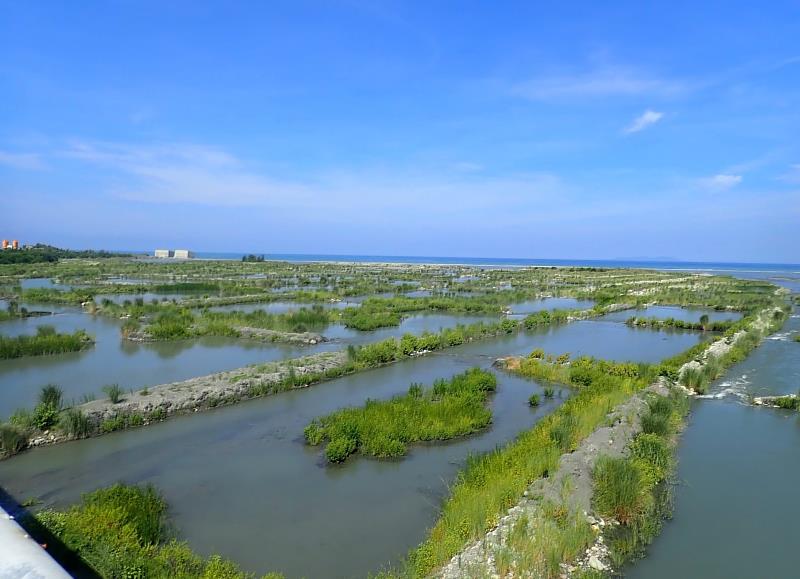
163	253
182	254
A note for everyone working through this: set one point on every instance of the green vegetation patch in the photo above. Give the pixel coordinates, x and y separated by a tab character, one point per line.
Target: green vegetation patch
384	429
634	490
45	342
121	531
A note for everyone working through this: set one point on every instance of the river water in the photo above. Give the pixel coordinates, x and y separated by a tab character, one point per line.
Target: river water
135	365
736	507
241	482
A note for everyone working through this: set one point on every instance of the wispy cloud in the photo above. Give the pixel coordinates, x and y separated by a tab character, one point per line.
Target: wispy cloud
607	81
22	161
646	119
183	173
208	176
720	182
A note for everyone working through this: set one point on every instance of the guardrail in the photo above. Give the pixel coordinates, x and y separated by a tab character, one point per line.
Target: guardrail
21	556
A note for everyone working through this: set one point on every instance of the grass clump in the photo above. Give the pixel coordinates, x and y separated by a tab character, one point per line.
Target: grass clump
383	429
12	439
533	400
538	544
74	423
694	379
114	392
620	489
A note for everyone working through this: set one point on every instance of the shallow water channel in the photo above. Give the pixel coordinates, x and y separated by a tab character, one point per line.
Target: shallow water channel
135	365
241	482
736	507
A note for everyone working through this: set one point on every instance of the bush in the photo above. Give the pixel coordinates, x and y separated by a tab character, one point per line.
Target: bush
533	400
114	392
549	392
44	416
340	448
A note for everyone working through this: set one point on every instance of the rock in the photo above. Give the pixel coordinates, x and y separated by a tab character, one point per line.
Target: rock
596	564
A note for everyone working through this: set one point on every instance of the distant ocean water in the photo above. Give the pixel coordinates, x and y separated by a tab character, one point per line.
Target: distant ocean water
520	262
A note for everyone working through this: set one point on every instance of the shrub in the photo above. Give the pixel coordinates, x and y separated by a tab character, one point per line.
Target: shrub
533	400
44	416
549	392
340	448
114	392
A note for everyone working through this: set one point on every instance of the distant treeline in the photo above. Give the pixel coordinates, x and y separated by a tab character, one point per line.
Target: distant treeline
41	253
253	257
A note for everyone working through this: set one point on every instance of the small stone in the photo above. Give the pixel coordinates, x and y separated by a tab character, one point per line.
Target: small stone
596	564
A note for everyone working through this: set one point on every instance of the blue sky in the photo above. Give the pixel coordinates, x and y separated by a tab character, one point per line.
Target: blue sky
511	129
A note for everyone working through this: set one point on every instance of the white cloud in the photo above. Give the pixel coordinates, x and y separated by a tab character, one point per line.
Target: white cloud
602	82
23	161
646	119
201	175
720	182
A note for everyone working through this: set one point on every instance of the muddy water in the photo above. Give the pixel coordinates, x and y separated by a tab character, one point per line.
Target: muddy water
736	508
241	482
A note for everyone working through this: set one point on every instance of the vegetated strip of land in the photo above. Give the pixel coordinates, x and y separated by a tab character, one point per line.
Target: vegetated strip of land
45	342
384	428
148	405
491	487
703	325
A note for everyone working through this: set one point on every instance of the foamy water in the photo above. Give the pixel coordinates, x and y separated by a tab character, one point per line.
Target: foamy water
736	387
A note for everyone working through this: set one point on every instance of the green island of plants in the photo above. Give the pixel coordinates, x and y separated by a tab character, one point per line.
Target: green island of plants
121	531
384	429
703	325
45	342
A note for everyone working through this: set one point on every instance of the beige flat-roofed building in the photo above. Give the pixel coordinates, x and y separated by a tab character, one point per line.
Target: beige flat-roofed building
182	254
163	253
